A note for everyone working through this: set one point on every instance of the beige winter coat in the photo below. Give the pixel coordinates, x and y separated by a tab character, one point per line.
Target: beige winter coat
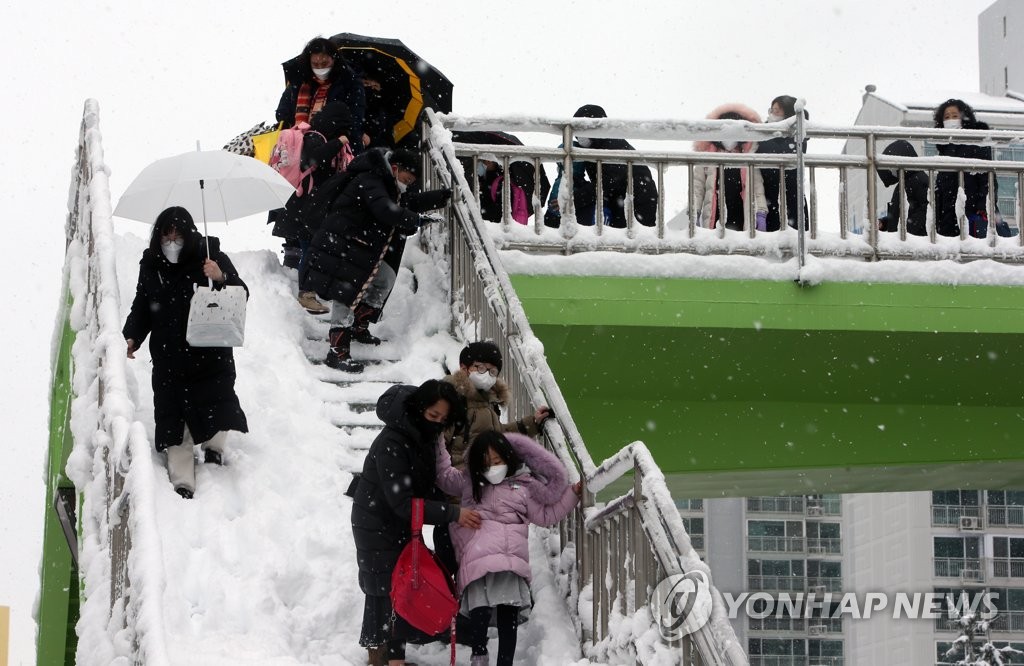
483	413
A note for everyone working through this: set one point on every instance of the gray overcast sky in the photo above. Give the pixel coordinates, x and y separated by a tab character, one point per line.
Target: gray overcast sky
169	73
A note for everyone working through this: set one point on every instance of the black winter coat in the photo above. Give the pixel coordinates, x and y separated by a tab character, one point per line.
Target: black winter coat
770	179
947	185
364	221
192	386
345	87
321	153
614	182
399	466
917	203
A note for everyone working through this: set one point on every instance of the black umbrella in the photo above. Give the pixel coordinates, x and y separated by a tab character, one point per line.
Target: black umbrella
408	82
522	173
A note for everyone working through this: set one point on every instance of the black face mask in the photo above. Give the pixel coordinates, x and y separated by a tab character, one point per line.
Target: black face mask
429	428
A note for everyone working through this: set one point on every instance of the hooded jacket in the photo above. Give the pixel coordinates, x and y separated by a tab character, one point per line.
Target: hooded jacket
614	183
399	466
704	197
483	413
363	222
540	495
917	192
192	386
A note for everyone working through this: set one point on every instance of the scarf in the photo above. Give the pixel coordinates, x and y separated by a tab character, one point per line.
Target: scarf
306	108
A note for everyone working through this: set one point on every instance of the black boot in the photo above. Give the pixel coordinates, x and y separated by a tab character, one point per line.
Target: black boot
365	315
339	357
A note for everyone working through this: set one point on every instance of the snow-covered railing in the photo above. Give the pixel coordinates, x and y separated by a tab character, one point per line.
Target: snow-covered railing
119	543
674	170
623	549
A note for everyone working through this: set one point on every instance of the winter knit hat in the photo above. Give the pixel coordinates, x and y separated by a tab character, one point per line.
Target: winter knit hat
406	159
481	352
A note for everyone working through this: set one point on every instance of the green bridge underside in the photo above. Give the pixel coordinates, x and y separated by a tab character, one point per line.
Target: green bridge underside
760	388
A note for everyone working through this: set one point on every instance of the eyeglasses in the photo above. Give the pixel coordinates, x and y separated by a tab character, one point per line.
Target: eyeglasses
480	367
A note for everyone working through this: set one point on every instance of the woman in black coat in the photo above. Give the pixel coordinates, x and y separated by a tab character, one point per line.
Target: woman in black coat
783	107
194	397
346	255
400	466
955	114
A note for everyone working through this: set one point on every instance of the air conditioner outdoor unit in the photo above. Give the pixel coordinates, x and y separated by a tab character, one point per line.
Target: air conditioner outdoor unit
970	575
970	523
816	629
817	589
815	511
815	550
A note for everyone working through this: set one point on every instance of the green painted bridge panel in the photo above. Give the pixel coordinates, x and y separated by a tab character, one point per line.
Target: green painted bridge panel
755	387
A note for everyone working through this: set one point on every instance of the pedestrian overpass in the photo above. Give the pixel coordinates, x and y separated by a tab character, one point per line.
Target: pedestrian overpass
681	363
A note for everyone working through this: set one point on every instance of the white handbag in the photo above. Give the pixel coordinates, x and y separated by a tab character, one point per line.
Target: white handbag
216	318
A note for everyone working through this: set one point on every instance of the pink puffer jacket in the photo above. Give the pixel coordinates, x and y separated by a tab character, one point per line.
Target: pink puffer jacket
541	496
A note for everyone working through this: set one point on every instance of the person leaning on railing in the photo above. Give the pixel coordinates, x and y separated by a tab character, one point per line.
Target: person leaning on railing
916	183
614	184
956	114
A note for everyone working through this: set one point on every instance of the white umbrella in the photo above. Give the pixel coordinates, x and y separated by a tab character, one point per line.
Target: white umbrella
220	185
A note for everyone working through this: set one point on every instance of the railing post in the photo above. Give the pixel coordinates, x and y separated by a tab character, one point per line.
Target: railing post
872	185
565	194
801	135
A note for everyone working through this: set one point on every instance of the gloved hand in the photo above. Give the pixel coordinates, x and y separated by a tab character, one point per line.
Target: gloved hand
761	220
428	219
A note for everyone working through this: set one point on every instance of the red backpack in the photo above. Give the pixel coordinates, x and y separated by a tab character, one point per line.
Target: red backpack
422	592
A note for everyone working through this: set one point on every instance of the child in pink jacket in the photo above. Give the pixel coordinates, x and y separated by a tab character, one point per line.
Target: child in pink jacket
512	481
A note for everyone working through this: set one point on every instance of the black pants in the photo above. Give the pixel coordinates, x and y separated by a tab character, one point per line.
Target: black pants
377	630
508	629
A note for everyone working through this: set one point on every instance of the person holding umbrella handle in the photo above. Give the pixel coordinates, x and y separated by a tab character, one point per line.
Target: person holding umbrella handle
194	398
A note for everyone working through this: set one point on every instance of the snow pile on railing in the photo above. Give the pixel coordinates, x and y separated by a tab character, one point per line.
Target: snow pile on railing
120	614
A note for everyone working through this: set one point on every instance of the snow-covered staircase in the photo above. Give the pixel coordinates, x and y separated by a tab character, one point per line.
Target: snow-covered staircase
260	566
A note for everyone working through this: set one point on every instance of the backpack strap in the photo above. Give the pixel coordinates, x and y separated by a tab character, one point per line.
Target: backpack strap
417	516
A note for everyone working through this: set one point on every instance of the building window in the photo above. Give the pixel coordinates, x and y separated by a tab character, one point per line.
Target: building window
823	539
958	557
775	536
948	506
690	504
695	528
775	575
1007	557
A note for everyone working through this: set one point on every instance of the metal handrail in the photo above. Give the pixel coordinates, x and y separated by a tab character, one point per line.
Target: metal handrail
116	513
641	528
870	244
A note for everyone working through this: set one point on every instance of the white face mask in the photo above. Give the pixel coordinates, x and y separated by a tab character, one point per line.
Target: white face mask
482	380
583	141
952	123
402	187
729	145
481	169
321	72
495	474
172	249
772	118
